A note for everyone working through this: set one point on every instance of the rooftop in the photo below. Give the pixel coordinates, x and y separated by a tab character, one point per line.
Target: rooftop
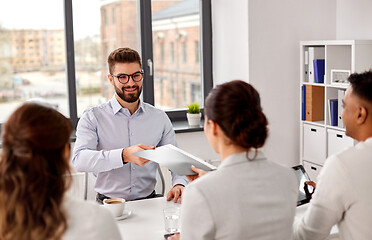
179	9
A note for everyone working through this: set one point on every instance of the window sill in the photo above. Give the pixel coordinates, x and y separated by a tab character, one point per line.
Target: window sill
182	126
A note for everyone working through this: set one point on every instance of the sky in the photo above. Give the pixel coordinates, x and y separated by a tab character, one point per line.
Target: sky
49	14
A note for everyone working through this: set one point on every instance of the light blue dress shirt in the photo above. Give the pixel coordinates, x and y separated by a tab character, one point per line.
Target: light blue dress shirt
102	134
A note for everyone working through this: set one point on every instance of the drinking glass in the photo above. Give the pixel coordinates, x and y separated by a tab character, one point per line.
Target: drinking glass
172	219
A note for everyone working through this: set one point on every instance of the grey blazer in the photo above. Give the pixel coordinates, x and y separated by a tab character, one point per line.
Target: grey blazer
243	199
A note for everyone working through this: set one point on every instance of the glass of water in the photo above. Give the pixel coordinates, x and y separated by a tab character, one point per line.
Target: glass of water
172	219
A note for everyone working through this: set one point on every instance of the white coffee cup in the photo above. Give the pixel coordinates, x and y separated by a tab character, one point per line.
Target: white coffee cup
115	205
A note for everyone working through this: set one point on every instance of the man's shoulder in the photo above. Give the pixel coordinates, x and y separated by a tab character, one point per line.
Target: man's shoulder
103	107
361	152
350	153
148	108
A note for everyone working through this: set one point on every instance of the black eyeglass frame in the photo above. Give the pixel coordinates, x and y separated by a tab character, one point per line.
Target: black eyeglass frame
129	76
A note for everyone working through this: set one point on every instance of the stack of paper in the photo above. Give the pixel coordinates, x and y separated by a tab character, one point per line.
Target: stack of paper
175	159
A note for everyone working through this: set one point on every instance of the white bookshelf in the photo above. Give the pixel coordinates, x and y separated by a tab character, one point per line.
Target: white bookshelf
319	139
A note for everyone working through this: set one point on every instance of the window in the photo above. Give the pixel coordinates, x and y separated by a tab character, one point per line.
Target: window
194	89
172	52
197	52
93	44
104	16
68	66
161	89
162	52
181	23
24	76
184	53
184	93
113	15
173	90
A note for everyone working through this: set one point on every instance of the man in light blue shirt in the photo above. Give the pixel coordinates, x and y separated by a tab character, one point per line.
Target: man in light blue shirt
107	135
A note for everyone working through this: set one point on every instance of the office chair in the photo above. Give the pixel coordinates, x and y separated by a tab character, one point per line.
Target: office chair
160	183
78	186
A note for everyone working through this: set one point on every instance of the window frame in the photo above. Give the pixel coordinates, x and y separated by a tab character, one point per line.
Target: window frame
147	54
145	21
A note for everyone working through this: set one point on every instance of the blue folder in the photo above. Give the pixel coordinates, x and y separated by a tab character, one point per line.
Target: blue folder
318	70
334	112
303	102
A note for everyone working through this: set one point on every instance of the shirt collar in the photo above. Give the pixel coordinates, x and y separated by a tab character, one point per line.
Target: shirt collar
116	107
242	157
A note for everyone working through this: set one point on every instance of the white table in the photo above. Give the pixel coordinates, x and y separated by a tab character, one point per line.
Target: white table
147	222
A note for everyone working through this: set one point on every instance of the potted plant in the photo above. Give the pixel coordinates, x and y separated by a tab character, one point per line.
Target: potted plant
193	114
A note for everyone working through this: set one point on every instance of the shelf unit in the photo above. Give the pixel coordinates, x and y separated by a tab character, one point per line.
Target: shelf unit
319	139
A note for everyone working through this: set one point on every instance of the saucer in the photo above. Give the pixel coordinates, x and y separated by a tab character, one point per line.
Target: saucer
125	214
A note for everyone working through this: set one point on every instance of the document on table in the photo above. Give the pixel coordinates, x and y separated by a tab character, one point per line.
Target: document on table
177	160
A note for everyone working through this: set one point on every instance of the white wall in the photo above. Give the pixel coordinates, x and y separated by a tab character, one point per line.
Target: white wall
354	19
275	30
230	40
272	30
197	144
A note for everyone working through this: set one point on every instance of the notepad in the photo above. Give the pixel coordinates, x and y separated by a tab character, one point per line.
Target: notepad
175	159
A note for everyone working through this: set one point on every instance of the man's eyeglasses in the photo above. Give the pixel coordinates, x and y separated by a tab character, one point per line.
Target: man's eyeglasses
124	78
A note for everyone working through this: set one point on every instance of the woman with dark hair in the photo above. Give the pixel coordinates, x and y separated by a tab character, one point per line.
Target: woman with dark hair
248	197
34	176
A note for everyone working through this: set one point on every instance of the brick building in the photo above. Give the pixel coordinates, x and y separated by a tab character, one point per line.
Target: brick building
33	49
176	46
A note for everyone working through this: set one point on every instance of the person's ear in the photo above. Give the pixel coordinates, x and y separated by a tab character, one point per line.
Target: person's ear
362	115
111	79
214	126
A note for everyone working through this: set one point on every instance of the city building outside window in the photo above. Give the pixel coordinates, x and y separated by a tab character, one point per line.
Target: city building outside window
197	52
184	52
162	52
113	15
172	52
27	70
180	23
43	59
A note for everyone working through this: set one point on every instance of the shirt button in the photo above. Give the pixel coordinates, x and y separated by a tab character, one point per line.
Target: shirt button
131	134
133	168
133	185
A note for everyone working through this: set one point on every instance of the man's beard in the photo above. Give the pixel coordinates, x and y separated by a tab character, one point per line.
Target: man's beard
128	97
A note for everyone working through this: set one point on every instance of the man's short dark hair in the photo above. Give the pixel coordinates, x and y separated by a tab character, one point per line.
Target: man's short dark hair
361	84
123	55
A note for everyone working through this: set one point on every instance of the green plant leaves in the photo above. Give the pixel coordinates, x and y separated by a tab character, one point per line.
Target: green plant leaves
193	108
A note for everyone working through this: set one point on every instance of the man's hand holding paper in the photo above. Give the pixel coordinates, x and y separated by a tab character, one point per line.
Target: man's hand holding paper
128	156
175	159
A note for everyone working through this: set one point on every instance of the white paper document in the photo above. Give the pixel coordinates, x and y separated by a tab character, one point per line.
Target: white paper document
175	159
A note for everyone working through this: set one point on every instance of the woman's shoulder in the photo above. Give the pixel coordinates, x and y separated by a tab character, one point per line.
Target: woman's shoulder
86	209
90	220
83	206
206	182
